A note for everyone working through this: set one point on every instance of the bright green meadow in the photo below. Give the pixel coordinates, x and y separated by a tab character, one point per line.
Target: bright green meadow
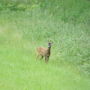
28	24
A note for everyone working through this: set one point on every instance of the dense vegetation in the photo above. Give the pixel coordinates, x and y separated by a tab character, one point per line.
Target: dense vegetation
27	24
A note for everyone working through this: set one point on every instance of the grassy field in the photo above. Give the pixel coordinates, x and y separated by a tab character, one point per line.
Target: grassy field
21	32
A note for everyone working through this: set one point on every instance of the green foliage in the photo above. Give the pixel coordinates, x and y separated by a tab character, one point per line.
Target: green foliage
71	42
27	24
70	10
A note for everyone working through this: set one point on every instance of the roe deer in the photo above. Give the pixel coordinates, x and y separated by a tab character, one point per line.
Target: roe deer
44	52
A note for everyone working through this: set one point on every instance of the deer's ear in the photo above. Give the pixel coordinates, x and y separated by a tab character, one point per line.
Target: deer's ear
50	41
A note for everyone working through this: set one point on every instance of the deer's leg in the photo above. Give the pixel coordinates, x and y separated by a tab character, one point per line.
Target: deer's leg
46	58
41	57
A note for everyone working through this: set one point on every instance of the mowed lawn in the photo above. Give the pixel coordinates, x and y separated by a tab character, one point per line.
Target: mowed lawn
21	33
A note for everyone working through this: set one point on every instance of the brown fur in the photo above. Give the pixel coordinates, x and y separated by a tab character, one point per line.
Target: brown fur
44	52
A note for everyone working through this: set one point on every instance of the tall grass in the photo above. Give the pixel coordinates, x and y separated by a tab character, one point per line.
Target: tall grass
22	31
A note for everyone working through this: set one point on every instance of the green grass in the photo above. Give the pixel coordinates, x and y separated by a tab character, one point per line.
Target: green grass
21	71
21	32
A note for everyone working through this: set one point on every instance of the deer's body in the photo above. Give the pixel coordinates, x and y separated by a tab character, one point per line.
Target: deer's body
44	52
